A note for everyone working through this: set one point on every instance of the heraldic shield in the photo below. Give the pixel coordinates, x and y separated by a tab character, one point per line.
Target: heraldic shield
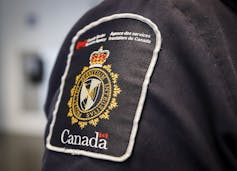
89	92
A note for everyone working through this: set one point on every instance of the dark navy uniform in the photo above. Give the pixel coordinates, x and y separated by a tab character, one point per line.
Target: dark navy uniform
146	85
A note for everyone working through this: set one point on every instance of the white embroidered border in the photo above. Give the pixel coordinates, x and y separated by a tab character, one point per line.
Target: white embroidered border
141	100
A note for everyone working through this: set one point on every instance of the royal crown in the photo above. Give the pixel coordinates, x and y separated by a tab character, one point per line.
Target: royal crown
98	58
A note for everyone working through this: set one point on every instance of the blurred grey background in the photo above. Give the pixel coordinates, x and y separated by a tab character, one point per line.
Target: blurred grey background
31	33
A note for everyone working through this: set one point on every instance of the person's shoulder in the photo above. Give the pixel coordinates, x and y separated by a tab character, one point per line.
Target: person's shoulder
159	11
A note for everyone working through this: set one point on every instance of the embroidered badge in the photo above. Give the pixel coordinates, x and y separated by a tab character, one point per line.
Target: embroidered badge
103	89
95	91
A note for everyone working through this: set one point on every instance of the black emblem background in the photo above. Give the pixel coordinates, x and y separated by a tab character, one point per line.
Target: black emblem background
130	59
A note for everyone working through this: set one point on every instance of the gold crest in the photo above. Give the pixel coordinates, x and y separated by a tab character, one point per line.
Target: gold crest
94	94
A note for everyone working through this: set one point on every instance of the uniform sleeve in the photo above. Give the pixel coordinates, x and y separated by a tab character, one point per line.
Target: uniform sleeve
154	66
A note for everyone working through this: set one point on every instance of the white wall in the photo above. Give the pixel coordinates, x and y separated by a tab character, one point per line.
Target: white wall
54	20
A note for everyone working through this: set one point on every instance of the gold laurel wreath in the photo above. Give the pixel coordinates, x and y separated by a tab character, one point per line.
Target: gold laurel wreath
112	105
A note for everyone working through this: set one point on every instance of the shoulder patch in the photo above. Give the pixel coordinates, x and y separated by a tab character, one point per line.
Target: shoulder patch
104	87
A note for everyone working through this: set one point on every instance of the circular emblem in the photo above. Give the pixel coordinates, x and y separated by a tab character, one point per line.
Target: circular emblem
94	93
